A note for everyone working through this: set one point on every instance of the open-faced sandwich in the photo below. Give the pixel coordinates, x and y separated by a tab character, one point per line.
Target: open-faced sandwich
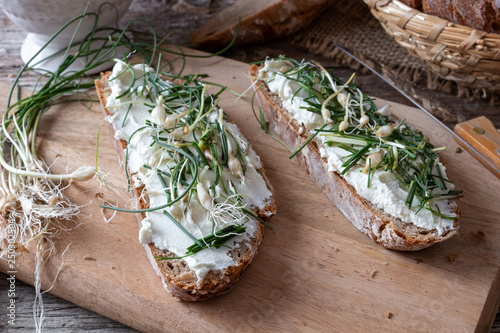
385	176
203	196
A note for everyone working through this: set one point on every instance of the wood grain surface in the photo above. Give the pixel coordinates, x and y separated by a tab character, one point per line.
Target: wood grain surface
314	272
167	15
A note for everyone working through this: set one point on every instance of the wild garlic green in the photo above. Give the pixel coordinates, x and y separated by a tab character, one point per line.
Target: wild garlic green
198	173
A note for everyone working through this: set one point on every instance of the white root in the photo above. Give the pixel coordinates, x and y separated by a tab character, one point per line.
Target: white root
228	212
39	212
324	111
38	309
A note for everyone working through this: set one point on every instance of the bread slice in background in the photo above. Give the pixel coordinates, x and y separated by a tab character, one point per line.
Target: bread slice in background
439	8
177	277
478	14
260	20
417	4
384	229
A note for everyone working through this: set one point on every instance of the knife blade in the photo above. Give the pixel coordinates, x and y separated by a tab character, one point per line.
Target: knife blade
478	136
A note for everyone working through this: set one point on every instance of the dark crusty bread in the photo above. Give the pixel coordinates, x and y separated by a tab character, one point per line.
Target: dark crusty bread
384	229
261	20
439	8
177	277
417	4
477	14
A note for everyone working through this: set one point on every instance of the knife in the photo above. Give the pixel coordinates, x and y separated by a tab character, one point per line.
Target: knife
481	134
478	136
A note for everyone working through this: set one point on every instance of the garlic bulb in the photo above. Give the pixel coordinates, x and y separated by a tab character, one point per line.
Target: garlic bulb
155	158
158	114
83	173
372	160
204	197
342	98
283	69
177	211
207	154
326	114
235	166
384	111
177	133
344	124
363	120
384	131
172	119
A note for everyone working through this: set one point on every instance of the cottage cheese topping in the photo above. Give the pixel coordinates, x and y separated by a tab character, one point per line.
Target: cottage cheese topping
293	99
129	115
384	192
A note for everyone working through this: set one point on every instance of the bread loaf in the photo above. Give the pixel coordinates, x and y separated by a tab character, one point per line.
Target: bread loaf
417	4
440	8
258	21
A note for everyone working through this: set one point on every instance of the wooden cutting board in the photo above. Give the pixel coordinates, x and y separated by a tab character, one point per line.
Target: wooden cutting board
314	272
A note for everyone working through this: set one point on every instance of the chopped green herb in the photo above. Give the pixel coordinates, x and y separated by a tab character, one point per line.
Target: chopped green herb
355	124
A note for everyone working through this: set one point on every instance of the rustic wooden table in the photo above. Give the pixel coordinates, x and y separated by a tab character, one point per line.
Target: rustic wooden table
182	16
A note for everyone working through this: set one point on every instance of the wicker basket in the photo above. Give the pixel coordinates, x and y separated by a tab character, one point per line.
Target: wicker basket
454	52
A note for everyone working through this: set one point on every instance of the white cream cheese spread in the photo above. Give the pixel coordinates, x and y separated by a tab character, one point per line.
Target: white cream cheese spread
384	190
151	116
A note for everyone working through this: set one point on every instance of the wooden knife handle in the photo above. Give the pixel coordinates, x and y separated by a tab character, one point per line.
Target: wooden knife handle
481	134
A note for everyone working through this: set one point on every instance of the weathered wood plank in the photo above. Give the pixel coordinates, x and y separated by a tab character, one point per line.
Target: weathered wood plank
61	315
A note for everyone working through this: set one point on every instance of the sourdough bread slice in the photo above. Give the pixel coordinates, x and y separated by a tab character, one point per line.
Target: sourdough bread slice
388	231
177	277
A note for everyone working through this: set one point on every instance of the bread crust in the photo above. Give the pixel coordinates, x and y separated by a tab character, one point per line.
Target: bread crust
390	232
177	277
277	18
417	4
478	14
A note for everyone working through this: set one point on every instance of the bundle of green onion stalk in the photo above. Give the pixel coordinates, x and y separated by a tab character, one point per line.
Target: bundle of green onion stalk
32	201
